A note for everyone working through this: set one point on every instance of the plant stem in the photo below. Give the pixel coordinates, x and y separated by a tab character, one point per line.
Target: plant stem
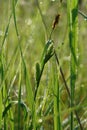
43	21
57	121
66	86
81	13
56	57
37	85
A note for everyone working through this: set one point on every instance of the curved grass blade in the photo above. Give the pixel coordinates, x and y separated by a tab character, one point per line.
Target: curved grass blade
72	14
6	109
7	27
19	98
48	52
14	15
6	32
57	121
28	86
1	109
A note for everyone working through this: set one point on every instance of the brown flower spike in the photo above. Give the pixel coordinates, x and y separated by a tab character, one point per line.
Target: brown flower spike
56	21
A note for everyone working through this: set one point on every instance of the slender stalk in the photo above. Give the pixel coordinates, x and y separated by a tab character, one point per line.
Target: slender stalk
62	74
37	85
19	98
72	11
66	86
1	106
57	60
43	21
57	121
72	64
7	28
82	14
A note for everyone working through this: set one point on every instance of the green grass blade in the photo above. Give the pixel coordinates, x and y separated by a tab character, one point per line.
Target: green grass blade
29	91
30	96
19	99
74	41
48	52
6	109
72	11
57	122
69	15
14	15
11	62
7	27
1	109
6	31
19	111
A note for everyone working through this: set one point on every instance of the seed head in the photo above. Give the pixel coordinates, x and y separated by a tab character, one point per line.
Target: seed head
56	21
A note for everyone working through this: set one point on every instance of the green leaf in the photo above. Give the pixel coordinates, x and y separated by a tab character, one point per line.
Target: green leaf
38	71
7	109
14	15
49	53
30	96
49	42
1	108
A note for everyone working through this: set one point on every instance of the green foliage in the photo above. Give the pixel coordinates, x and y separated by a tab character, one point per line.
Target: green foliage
73	28
49	94
57	121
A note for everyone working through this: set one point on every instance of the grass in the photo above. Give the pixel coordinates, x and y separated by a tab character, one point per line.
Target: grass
40	78
57	120
73	28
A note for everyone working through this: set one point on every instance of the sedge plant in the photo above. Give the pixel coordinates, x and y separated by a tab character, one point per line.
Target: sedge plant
30	116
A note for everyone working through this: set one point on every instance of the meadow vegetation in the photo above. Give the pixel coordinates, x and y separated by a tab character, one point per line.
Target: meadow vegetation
43	66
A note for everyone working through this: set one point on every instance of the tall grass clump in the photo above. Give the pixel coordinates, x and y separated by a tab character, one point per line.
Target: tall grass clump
34	70
72	14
